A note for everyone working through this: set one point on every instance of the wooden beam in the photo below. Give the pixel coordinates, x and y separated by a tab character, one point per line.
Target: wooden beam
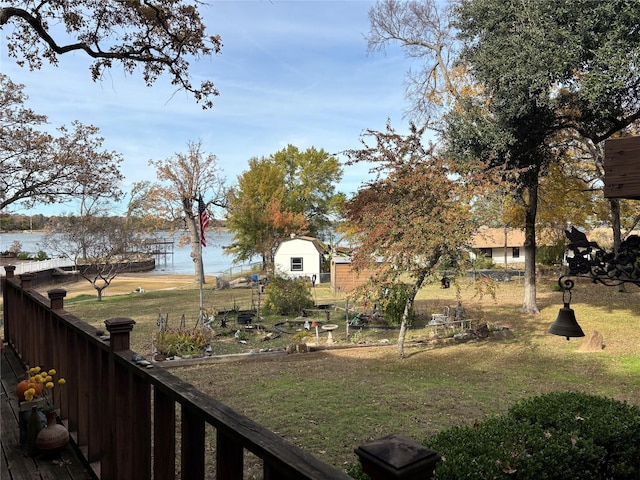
622	168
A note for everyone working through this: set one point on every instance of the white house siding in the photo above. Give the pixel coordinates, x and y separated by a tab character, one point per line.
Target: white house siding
495	240
497	255
298	248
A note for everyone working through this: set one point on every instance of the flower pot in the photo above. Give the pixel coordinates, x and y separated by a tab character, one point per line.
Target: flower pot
54	437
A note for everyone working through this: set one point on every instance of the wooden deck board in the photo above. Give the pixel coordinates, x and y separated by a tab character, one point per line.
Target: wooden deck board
15	463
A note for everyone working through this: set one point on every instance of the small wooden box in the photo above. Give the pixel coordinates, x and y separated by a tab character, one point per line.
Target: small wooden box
39	402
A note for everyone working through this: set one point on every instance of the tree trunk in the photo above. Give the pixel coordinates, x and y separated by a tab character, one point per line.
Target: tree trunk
614	204
408	307
529	304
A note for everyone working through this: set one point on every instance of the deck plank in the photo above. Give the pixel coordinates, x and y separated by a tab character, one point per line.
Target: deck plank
16	464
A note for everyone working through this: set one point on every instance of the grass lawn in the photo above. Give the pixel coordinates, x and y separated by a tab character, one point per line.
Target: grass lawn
330	402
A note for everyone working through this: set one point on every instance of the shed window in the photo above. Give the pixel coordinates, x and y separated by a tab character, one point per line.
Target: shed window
296	264
515	253
487	252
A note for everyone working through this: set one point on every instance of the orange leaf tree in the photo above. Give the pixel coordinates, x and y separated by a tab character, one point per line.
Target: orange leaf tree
413	219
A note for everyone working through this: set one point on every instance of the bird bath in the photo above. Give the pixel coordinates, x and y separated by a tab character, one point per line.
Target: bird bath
329	328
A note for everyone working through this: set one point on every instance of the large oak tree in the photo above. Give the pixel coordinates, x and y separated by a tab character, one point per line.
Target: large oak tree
546	67
521	71
159	36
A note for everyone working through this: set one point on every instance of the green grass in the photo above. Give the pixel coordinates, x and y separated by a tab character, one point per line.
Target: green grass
330	402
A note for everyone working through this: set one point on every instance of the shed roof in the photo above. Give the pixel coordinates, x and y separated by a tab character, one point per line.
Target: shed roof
316	243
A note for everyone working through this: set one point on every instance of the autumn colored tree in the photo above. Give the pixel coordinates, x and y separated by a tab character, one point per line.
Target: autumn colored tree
160	37
309	182
412	219
41	168
182	178
290	192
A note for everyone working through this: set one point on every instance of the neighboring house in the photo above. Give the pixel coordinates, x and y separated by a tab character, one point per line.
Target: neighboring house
300	257
502	245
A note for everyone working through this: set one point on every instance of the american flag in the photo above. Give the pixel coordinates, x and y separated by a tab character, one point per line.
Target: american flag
204	220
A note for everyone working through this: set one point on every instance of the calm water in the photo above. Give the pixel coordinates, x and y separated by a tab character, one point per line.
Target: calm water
215	262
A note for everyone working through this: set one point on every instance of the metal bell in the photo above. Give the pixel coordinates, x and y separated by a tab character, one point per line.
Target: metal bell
566	324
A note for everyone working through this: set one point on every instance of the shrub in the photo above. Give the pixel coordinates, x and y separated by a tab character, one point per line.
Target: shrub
558	435
392	304
16	247
482	262
551	254
554	436
182	342
287	296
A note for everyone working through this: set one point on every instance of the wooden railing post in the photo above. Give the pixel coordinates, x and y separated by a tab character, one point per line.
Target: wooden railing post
25	280
192	445
57	298
9	273
59	356
116	462
229	457
119	332
395	457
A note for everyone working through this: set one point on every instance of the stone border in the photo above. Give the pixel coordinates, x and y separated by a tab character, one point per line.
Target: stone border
502	334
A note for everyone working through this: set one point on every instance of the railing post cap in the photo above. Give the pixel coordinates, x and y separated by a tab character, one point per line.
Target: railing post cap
57	293
397	457
119	324
9	269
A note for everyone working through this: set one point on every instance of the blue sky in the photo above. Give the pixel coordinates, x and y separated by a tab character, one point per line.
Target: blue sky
290	72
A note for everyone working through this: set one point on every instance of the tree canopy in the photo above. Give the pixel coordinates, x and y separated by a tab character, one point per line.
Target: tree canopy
182	179
518	80
413	219
289	192
424	30
41	168
161	36
546	67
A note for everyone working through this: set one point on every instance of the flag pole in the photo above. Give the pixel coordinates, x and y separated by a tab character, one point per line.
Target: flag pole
201	297
203	222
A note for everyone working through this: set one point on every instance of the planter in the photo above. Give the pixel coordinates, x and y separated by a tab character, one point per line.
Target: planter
54	437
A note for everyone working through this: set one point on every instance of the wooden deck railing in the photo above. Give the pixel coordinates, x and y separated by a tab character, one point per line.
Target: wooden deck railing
123	417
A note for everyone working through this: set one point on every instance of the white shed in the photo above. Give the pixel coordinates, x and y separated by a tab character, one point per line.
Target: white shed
300	257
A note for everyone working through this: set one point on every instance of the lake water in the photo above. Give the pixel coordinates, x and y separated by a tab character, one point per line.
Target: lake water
215	262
